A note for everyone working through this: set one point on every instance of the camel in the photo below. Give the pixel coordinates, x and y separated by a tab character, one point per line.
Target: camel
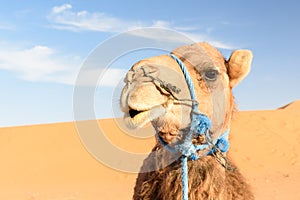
156	92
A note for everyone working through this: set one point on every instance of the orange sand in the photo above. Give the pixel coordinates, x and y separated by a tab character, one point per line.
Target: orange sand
49	162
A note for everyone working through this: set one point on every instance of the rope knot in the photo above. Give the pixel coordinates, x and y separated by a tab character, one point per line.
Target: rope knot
200	124
187	150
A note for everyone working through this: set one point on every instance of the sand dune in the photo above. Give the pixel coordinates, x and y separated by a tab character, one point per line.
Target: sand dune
49	162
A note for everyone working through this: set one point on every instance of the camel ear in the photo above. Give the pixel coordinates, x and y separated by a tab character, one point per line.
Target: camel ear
239	65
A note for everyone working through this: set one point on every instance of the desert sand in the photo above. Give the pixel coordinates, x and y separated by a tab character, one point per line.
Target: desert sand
49	162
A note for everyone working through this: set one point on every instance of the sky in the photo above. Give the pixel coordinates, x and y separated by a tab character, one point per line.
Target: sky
45	44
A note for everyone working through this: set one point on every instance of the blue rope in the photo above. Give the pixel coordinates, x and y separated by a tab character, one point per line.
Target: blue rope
184	178
200	125
221	144
188	80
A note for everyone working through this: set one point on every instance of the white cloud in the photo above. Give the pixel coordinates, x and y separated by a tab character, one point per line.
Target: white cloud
167	35
59	9
37	63
161	24
42	63
65	18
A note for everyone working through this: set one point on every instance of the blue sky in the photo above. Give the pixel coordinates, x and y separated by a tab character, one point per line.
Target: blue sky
43	45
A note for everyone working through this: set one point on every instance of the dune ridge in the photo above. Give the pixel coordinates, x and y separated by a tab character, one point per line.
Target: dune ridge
49	162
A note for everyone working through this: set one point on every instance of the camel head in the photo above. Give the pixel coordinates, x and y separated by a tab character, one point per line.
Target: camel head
155	89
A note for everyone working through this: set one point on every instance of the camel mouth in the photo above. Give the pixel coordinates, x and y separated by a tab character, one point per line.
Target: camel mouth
133	112
139	118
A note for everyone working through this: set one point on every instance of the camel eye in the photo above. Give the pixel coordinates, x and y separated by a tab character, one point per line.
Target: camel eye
211	75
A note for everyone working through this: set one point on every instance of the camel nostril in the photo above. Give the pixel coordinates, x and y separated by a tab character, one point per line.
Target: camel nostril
133	112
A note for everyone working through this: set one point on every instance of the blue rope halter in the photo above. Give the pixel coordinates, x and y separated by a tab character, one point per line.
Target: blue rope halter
200	125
